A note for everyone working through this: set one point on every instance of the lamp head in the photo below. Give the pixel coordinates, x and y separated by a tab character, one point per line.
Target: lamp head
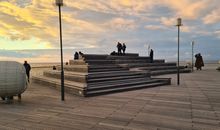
179	22
59	2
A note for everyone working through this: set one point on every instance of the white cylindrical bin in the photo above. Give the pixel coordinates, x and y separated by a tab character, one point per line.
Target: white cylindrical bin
13	79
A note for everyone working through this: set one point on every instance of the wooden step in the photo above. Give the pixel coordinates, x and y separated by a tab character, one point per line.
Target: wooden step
132	65
71	76
113	74
70	86
152	68
170	71
127	88
114	78
118	84
74	68
118	81
126	58
107	70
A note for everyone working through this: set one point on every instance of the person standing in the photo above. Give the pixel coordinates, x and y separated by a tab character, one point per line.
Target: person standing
76	56
28	69
123	48
119	46
151	56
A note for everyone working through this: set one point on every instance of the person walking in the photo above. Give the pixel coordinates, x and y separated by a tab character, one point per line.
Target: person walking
28	69
199	62
123	48
151	56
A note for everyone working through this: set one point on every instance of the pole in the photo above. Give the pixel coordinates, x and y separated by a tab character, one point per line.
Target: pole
192	56
178	64
61	54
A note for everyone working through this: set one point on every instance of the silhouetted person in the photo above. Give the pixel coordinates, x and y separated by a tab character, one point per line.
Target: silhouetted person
199	62
123	48
81	55
119	46
151	56
28	69
54	68
67	63
76	56
113	53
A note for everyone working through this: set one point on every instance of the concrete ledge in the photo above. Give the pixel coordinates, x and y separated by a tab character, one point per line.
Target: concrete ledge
77	77
75	68
70	87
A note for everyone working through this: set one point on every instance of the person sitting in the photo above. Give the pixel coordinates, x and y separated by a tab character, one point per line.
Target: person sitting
113	53
54	68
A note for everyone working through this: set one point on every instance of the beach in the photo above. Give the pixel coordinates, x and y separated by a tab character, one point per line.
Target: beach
38	68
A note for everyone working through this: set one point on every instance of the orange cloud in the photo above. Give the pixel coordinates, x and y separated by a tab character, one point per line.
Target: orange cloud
154	27
121	24
187	9
213	17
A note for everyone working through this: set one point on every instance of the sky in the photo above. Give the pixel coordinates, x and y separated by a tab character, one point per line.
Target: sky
29	29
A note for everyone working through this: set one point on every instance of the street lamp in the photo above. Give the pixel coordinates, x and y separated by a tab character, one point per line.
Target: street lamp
192	55
59	3
179	23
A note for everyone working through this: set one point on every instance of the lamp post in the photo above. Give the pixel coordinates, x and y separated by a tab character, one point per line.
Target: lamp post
192	55
179	23
59	3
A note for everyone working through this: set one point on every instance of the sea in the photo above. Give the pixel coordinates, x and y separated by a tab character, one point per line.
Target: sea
44	65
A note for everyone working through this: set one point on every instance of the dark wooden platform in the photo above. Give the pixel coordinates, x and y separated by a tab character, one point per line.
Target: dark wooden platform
194	105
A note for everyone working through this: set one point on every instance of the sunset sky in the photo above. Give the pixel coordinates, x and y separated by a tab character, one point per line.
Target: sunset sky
29	28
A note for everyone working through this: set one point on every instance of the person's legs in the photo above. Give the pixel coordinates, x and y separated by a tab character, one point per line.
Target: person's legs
120	52
28	75
19	97
3	98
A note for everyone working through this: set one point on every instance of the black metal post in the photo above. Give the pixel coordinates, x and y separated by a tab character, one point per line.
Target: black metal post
61	54
178	57
192	56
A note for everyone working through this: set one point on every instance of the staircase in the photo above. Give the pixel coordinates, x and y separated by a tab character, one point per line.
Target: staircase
102	74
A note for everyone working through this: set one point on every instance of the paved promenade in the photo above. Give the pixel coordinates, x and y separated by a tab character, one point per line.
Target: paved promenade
194	105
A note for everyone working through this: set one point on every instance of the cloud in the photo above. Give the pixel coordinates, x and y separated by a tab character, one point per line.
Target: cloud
168	21
187	9
154	27
25	23
95	26
120	24
217	33
213	17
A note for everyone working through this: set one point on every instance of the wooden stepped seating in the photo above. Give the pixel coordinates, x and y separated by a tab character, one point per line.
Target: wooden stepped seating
102	74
